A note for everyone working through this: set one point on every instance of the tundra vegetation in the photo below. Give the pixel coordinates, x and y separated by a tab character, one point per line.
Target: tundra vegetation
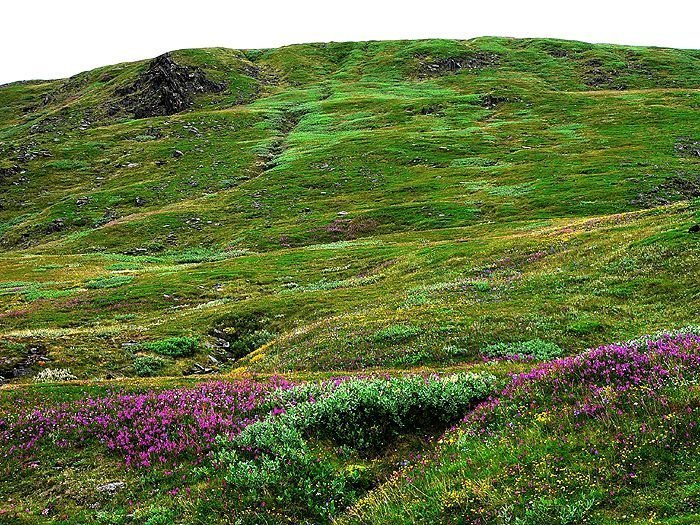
373	282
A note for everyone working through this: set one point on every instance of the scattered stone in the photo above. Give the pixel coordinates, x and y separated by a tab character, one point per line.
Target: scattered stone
679	187
597	75
16	169
177	153
197	369
558	52
29	153
111	488
82	201
108	216
139	201
687	147
55	225
347	229
490	101
19	367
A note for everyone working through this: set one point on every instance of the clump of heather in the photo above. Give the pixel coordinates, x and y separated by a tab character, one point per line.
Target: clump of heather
600	382
144	428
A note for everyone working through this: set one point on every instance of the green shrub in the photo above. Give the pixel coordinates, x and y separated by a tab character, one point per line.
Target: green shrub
481	286
272	462
160	516
536	348
285	474
249	342
197	255
173	346
34	294
110	282
367	414
413	357
147	365
395	334
585	326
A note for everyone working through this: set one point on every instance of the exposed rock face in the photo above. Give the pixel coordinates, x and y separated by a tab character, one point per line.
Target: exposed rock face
111	488
165	88
444	66
11	368
598	75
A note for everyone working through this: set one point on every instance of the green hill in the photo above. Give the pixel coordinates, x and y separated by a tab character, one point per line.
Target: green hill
328	192
323	210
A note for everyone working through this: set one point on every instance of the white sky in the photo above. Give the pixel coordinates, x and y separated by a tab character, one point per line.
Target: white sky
58	38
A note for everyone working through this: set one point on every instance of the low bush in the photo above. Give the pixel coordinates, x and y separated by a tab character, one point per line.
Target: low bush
242	332
366	414
282	476
395	334
197	255
457	351
248	342
534	348
413	357
173	346
271	464
147	365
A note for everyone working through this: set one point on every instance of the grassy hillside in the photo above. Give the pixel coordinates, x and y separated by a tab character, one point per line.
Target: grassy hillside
375	210
328	192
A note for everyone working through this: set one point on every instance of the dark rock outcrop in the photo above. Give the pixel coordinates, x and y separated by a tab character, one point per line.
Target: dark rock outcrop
687	147
430	67
164	88
679	187
490	101
599	75
11	368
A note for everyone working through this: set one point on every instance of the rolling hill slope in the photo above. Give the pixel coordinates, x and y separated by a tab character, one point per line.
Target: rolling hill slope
441	186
